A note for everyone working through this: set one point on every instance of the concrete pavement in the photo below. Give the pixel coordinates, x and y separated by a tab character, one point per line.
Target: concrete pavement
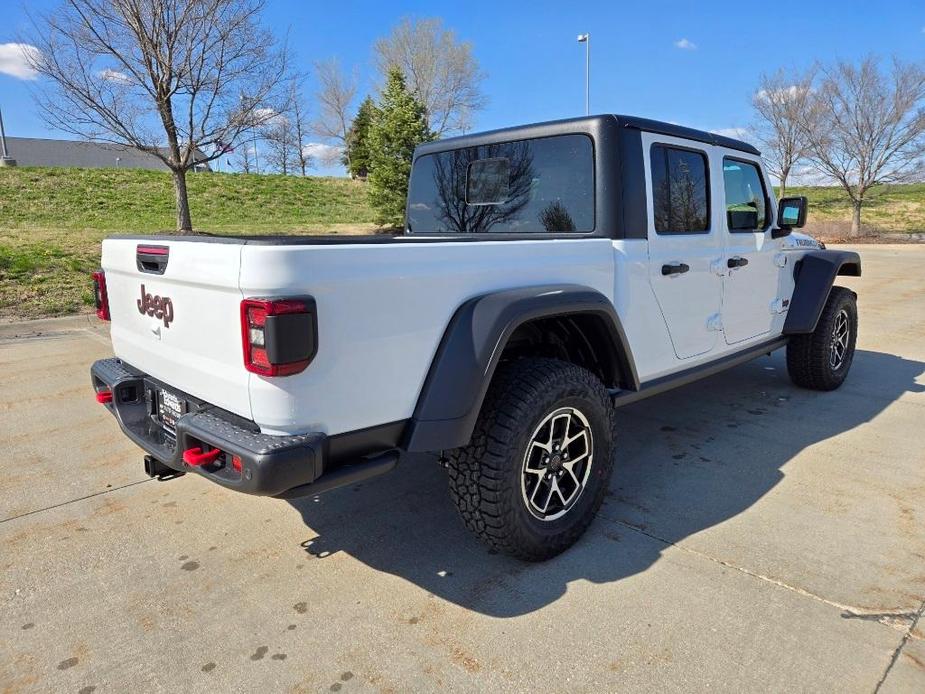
756	537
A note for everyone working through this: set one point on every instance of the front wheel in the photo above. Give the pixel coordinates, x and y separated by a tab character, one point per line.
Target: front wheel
536	469
821	359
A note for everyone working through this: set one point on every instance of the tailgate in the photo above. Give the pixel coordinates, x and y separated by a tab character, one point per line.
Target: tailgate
175	308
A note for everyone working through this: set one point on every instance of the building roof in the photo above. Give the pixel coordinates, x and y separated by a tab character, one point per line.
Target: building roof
33	151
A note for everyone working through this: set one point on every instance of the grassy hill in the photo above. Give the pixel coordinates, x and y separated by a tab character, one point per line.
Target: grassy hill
899	208
53	220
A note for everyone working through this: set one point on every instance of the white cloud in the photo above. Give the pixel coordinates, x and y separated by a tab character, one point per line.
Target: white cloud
737	133
269	117
685	45
779	95
14	60
114	76
327	154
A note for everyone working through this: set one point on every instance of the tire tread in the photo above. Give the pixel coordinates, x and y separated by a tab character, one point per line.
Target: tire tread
479	473
808	355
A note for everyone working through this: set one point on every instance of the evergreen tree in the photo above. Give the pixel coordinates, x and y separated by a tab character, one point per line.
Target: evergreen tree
399	125
356	154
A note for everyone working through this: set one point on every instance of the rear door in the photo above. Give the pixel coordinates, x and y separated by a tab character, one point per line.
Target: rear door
685	241
175	308
752	277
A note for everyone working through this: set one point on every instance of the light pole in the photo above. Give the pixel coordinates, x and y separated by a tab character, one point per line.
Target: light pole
586	40
5	158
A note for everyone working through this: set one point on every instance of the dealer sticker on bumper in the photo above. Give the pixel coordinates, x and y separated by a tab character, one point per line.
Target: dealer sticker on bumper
170	408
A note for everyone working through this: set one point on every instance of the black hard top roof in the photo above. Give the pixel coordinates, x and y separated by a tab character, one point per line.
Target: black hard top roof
584	124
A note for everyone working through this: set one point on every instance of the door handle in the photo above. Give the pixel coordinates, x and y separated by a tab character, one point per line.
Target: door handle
736	262
675	269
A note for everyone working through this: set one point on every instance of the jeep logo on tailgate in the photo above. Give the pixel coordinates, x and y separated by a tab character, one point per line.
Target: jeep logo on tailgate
159	307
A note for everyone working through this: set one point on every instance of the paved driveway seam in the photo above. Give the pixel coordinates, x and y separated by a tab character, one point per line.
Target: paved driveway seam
900	619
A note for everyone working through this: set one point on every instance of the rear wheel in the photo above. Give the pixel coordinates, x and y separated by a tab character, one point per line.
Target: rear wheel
536	469
821	359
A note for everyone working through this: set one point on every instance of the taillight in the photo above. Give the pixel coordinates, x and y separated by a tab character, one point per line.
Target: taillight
279	335
100	297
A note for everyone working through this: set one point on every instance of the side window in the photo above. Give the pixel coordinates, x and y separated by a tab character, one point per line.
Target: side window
746	198
680	190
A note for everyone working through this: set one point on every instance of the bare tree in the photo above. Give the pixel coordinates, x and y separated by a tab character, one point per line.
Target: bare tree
244	159
300	130
174	78
336	94
281	144
440	71
783	106
869	127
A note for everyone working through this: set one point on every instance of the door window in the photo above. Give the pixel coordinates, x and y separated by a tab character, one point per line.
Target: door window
680	190
746	198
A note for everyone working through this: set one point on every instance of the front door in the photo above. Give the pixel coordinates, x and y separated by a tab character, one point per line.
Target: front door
685	242
752	280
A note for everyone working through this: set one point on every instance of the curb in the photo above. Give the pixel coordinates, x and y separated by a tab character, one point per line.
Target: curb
49	326
913	237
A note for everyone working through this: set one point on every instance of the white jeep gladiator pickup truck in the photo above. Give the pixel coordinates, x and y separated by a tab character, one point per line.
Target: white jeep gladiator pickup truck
547	275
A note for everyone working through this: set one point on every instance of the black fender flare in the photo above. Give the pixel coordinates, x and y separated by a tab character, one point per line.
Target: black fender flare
465	361
815	273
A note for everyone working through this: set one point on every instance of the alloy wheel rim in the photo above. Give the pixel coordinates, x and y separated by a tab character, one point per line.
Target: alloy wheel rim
557	463
838	349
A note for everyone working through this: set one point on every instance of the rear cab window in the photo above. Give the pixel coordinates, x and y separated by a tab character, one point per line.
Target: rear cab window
746	196
540	185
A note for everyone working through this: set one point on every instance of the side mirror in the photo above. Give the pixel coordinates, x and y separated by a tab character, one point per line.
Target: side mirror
791	212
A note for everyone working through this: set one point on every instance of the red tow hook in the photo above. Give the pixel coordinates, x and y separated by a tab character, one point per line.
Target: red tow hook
195	456
104	397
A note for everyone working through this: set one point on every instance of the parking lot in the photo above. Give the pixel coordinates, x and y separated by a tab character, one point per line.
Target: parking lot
755	537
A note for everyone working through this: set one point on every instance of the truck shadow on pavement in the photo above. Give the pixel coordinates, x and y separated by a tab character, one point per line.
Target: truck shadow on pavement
687	460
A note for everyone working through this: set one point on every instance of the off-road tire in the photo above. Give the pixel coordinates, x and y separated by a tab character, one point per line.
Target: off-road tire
809	357
485	476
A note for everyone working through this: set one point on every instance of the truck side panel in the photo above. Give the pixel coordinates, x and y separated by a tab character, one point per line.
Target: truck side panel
382	311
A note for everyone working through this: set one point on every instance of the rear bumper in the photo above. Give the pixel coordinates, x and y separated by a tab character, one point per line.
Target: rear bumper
269	465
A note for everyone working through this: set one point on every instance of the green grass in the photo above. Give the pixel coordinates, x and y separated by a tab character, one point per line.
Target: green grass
143	201
898	208
53	220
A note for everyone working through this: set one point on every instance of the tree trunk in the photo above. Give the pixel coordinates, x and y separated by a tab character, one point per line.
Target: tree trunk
184	223
856	218
784	175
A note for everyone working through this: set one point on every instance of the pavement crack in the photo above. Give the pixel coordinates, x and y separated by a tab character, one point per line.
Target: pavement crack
900	619
899	648
74	501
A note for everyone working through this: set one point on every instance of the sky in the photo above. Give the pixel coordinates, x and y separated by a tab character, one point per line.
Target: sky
693	63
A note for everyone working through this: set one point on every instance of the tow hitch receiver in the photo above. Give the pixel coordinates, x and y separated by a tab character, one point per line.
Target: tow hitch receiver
155	468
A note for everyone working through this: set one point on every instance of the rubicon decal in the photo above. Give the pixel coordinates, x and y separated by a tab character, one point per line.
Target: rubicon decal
159	307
